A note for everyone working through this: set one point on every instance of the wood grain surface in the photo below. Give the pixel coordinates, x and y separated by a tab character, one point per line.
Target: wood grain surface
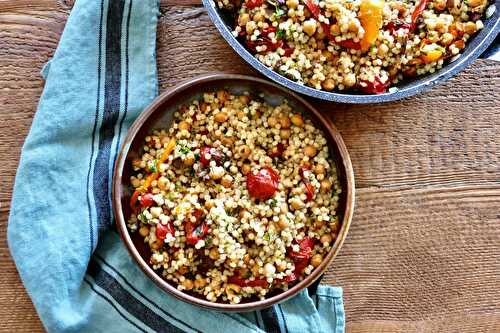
423	253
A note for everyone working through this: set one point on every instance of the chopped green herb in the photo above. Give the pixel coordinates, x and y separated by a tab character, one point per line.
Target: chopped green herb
280	34
152	168
171	196
185	149
273	203
278	13
267	237
196	157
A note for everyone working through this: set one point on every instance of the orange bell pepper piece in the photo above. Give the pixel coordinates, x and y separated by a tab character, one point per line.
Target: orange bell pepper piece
371	17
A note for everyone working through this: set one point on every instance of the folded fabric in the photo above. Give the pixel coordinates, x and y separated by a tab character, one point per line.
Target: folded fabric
72	262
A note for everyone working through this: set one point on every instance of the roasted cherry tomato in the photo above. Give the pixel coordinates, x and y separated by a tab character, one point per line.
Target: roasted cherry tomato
301	257
133	201
208	154
253	3
264	184
146	200
195	233
163	229
394	26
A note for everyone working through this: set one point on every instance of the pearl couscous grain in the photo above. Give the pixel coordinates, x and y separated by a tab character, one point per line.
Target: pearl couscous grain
230	207
365	45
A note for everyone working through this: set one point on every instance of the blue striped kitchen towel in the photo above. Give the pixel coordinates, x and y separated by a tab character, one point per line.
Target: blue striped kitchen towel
73	264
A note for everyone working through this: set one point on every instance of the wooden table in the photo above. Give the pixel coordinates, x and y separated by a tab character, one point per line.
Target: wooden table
423	253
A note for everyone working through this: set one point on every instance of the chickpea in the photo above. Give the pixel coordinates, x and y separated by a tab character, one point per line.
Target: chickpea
162	183
328	55
325	186
227	140
136	163
285	122
188	284
272	121
250	27
245	168
222	96
325	239
292	3
382	50
244	151
243	19
227	181
285	134
240	114
476	3
310	151
156	245
221	117
258	17
296	203
184	126
297	120
200	283
244	99
209	204
470	28
328	84
189	160
335	30
309	26
316	260
350	79
446	38
214	253
232	289
144	231
319	224
281	267
319	169
283	222
203	106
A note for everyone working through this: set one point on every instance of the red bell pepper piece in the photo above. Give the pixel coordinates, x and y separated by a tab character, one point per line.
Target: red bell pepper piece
393	27
350	44
419	8
133	201
313	8
263	184
307	183
247	282
376	87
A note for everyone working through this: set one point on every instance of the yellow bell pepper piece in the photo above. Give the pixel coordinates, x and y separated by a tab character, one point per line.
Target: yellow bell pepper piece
431	53
371	17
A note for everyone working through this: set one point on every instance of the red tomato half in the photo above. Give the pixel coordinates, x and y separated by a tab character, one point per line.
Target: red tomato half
147	200
264	184
162	230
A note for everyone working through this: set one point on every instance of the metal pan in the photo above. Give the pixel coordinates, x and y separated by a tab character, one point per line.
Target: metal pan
474	48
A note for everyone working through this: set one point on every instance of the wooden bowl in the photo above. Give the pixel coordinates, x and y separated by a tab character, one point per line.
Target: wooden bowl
160	114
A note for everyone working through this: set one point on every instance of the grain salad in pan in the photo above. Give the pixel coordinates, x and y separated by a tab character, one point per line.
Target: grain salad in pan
363	45
236	199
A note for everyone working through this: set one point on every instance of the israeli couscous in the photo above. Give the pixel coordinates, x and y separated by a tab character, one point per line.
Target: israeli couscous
236	199
366	45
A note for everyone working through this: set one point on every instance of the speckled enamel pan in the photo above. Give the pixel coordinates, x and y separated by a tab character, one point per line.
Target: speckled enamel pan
473	50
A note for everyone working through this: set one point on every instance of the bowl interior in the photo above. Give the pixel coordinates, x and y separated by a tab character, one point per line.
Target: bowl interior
224	20
160	114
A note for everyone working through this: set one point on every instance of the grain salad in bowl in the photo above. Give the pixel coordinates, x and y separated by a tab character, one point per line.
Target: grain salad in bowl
236	199
364	46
